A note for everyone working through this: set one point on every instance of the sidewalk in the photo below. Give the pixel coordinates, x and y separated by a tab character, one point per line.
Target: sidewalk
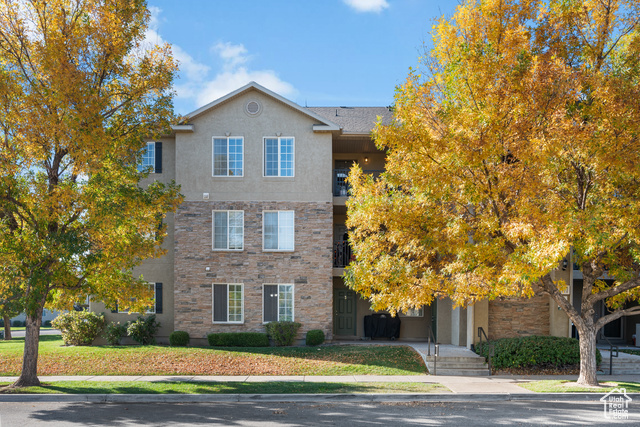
463	388
496	384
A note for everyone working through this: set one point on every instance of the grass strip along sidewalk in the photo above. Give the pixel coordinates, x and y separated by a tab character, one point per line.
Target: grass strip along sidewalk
566	386
56	359
162	387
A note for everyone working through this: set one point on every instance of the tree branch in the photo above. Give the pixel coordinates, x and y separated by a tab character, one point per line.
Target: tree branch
616	315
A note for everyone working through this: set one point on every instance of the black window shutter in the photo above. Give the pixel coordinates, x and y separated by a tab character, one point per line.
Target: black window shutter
115	310
158	168
158	298
220	303
270	303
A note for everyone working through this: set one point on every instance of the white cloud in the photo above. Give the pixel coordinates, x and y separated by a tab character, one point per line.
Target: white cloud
196	86
228	81
235	74
233	55
375	6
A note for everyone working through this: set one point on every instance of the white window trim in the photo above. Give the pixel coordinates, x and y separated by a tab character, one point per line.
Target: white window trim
264	153
152	166
213	160
213	233
293	301
294	232
417	313
153	304
228	322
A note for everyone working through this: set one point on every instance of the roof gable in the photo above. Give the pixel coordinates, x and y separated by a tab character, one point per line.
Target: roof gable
323	123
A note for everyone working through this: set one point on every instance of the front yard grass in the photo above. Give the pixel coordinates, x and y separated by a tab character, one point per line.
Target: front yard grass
566	386
56	359
164	387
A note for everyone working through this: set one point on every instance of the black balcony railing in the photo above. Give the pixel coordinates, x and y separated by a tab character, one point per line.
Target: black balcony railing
342	254
340	185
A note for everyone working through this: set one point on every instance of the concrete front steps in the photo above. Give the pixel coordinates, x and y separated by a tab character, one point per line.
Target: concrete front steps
458	365
624	364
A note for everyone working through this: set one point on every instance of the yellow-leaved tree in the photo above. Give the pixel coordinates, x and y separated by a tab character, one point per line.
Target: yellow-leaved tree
79	93
515	142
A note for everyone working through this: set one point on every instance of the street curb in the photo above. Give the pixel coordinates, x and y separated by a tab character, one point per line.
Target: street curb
304	398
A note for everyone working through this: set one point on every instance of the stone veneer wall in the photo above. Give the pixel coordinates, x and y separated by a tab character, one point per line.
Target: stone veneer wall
516	317
308	267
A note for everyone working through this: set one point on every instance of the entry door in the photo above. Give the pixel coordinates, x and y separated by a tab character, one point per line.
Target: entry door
344	308
612	330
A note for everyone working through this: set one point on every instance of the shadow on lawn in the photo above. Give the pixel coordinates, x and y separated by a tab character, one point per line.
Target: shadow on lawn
396	356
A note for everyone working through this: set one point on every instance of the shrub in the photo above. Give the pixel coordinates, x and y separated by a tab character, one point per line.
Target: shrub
1	323
46	323
79	327
315	337
238	339
113	332
283	333
534	352
179	339
17	324
143	330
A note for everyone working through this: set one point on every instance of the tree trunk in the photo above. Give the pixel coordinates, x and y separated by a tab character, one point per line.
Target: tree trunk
7	327
29	374
588	369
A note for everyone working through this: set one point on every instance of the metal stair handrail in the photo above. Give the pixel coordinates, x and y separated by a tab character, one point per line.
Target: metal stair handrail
430	336
611	356
491	347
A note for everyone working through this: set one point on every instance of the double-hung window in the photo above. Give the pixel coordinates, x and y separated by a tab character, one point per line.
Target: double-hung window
228	230
278	303
278	230
414	312
228	303
228	159
279	156
151	158
156	307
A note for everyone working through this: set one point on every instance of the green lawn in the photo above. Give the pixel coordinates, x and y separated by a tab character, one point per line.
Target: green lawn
565	386
130	387
57	359
22	328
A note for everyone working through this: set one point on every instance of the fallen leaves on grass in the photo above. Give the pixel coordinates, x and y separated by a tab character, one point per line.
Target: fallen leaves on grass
158	360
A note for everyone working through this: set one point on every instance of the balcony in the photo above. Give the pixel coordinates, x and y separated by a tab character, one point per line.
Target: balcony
340	185
342	254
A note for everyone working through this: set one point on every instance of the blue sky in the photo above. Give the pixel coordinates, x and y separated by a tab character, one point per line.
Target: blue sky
313	52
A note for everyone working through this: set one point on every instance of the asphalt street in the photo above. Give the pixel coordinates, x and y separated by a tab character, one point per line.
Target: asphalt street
467	414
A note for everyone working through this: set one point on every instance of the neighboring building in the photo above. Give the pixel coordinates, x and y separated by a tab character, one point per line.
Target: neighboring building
261	233
47	315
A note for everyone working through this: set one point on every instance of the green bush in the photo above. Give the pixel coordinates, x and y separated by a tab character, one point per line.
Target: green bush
46	323
238	339
79	327
17	324
1	323
534	352
143	330
315	337
114	332
283	333
179	339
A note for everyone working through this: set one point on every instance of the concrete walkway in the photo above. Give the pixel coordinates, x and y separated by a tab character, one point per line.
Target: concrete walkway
457	384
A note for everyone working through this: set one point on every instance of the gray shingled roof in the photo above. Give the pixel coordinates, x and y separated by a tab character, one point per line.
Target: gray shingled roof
354	119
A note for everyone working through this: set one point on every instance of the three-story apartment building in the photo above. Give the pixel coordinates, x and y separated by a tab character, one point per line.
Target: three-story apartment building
261	233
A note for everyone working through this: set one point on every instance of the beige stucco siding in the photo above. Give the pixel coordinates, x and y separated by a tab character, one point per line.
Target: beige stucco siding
155	270
312	176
